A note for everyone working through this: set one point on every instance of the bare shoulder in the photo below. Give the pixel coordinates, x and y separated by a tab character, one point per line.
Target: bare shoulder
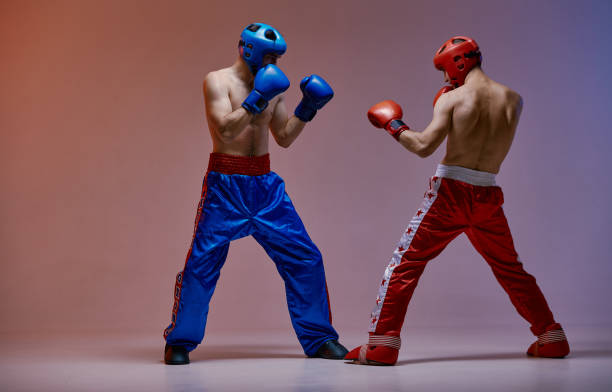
513	102
511	97
216	82
463	108
214	78
465	101
452	100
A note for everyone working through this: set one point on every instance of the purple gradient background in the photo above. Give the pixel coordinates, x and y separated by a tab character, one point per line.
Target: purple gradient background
104	144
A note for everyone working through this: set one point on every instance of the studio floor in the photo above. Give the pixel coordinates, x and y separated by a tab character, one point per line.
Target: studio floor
432	359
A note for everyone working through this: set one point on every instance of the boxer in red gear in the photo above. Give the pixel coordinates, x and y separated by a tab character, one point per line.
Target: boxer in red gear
478	117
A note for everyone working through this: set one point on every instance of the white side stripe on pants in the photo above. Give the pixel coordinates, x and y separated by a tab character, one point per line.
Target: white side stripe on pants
404	244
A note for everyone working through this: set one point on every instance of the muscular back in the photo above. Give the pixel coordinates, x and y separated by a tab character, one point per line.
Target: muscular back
483	122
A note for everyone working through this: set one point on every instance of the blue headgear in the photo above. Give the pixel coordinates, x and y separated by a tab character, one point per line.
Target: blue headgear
257	40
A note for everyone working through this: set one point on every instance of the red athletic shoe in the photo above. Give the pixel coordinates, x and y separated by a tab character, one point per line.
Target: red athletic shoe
551	344
381	350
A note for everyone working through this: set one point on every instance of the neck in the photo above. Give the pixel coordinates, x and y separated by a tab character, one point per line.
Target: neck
242	70
475	75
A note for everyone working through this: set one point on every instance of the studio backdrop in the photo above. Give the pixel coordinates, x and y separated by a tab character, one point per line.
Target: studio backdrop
104	144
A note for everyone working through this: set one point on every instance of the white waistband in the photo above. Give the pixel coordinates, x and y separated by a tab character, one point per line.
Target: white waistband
474	177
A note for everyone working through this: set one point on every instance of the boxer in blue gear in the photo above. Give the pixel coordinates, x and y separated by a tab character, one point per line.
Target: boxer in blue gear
242	197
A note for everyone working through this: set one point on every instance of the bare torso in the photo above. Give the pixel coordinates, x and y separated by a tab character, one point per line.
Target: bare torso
233	129
483	123
230	90
253	140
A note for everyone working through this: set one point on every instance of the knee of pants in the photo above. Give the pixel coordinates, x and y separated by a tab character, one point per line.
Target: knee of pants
315	257
316	254
309	259
305	251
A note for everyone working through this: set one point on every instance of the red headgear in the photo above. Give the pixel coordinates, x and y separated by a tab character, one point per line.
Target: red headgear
457	57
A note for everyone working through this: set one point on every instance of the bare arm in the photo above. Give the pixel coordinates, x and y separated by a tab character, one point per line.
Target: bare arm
284	129
226	123
425	143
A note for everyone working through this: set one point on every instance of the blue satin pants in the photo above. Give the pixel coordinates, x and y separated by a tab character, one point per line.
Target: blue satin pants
234	206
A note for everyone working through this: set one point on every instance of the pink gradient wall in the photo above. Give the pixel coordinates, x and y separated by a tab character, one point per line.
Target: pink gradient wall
104	143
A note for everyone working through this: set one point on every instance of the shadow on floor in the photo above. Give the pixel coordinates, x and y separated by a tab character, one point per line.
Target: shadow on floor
248	352
576	354
211	352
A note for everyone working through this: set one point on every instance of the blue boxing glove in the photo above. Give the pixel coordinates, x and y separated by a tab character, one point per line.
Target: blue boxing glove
316	94
269	82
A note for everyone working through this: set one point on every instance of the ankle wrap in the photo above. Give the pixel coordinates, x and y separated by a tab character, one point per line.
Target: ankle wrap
556	335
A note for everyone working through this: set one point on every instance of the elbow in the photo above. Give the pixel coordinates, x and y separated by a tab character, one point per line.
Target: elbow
283	143
283	140
424	151
415	144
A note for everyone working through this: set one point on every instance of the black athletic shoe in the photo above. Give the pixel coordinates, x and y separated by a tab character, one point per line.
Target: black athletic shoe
331	349
176	355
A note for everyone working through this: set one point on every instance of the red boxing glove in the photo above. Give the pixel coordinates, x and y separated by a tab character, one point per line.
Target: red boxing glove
443	90
388	115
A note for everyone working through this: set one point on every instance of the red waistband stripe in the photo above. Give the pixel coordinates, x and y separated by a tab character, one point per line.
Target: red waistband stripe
235	164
